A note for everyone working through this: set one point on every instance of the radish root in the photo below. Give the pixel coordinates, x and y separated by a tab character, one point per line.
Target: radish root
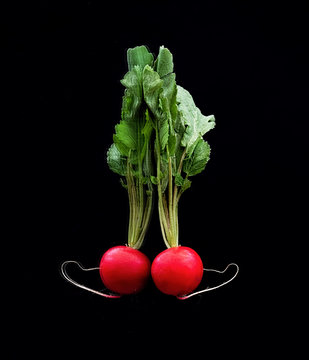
69	279
184	297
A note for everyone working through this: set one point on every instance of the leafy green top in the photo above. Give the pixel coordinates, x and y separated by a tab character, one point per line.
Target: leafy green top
154	103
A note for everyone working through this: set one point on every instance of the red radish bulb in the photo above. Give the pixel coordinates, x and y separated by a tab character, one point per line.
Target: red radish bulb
124	270
177	270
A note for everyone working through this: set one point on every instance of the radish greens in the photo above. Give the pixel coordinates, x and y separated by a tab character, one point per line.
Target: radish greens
158	142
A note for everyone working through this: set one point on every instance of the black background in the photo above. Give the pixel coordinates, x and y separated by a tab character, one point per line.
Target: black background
247	65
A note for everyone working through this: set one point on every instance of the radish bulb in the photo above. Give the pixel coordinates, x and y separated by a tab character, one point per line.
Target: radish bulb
124	270
177	271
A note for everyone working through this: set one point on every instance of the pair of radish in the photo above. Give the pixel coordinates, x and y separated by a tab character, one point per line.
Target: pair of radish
175	271
158	143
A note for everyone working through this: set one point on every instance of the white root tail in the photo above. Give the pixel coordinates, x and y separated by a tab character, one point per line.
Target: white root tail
69	279
114	296
184	297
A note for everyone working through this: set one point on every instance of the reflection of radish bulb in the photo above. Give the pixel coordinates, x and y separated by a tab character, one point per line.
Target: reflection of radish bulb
177	270
124	270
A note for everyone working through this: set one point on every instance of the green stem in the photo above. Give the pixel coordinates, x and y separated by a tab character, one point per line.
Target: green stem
145	223
140	181
176	195
176	221
180	192
162	217
166	213
132	204
163	224
170	199
167	205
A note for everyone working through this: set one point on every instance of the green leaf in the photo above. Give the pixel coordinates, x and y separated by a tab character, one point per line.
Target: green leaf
146	155
115	161
170	92
133	80
186	184
172	143
179	131
179	180
196	123
183	183
126	134
169	111
139	56
132	98
147	129
164	62
154	180
196	163
163	126
146	132
152	86
126	137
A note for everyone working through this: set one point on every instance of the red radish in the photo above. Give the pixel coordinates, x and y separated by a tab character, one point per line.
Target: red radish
124	270
177	270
